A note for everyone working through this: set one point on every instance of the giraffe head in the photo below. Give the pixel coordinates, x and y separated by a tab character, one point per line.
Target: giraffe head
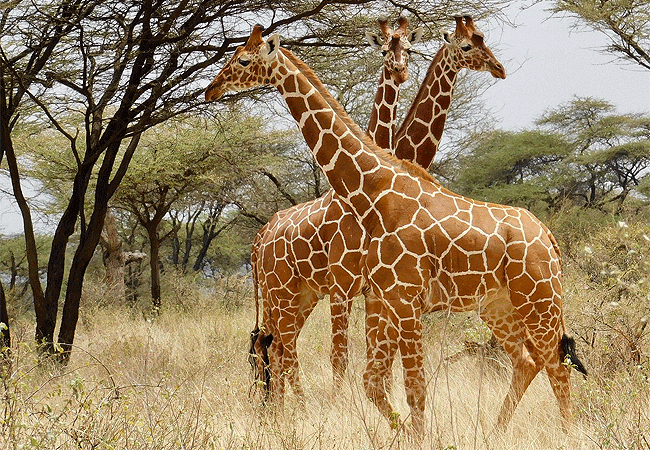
258	358
248	67
468	50
395	44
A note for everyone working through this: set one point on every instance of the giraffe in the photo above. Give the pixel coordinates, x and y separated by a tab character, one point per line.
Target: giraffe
318	268
425	247
419	135
314	236
395	45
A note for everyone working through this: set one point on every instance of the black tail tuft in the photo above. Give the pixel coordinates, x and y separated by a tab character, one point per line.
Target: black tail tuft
568	347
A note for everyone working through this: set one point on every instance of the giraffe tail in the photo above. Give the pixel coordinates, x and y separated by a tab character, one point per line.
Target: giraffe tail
567	344
568	353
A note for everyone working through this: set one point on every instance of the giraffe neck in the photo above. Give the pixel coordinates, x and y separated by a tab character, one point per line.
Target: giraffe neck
381	127
357	169
418	138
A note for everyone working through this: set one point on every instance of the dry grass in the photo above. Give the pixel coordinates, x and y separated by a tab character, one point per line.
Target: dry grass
181	381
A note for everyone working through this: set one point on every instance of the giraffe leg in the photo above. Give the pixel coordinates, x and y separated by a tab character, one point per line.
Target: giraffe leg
340	305
506	326
540	307
294	314
291	368
403	326
276	382
379	341
380	353
409	325
559	377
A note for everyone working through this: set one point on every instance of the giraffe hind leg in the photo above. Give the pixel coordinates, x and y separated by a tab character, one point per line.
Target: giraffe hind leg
507	328
559	375
295	313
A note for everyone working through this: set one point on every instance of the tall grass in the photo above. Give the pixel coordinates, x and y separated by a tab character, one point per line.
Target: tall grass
180	380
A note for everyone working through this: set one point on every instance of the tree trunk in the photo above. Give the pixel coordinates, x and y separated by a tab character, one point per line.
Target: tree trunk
210	232
176	242
45	319
88	242
80	261
154	263
14	271
5	336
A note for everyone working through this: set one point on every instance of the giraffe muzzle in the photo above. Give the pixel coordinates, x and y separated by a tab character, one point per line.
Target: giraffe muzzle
498	71
213	92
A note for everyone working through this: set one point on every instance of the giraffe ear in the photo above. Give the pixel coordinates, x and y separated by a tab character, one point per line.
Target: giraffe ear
415	35
270	48
374	40
446	37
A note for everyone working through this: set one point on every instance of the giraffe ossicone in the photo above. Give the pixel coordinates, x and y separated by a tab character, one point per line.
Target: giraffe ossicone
426	248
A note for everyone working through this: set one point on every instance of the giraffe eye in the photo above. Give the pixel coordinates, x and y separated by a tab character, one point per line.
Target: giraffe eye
244	62
466	47
384	52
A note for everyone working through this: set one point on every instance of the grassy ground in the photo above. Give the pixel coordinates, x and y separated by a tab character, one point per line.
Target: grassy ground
181	380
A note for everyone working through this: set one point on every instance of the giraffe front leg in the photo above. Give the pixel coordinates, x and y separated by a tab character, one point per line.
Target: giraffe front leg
376	338
340	305
382	346
409	325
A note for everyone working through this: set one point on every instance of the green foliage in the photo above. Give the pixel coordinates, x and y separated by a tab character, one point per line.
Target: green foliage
582	154
14	271
511	168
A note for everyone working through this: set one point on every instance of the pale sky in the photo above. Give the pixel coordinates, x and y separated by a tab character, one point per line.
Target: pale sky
548	64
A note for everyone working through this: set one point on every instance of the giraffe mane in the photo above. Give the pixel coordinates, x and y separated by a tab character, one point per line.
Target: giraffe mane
408	166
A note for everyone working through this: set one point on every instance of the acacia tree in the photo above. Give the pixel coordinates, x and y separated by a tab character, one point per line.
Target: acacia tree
583	152
121	68
610	153
625	22
512	167
205	211
23	59
185	158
